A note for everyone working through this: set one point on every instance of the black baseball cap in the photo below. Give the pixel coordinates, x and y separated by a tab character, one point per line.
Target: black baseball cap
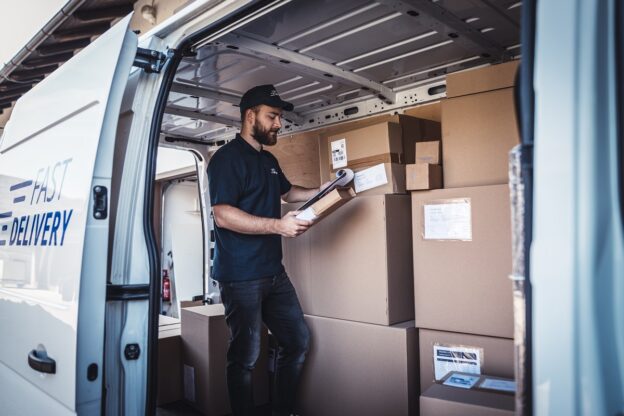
263	94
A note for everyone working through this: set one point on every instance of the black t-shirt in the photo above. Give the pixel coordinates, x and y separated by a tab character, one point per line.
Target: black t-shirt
252	181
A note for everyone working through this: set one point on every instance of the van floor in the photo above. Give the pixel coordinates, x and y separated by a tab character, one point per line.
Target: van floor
183	409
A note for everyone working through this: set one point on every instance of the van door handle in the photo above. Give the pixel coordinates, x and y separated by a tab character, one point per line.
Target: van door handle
39	361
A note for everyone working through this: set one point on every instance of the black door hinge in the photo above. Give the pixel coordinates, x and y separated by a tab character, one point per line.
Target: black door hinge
149	60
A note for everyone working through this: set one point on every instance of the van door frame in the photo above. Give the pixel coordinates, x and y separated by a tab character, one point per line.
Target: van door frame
220	27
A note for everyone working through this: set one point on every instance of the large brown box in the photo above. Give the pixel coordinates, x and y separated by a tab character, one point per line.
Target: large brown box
440	400
389	141
357	369
478	80
356	263
459	285
497	359
478	131
205	338
298	156
169	364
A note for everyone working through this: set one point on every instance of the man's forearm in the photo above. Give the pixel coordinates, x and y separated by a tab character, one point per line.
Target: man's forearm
300	194
238	220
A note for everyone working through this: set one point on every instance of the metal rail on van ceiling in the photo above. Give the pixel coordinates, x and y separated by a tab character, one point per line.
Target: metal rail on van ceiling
74	27
329	58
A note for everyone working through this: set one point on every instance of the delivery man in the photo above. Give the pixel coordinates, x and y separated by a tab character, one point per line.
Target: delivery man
246	184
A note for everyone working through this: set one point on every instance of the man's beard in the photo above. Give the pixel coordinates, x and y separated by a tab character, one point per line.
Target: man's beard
266	137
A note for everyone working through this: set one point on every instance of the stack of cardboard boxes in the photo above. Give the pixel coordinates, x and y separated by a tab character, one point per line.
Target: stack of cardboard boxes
462	244
402	292
353	274
441	256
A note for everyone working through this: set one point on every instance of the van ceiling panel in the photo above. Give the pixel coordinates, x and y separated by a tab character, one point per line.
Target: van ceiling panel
325	54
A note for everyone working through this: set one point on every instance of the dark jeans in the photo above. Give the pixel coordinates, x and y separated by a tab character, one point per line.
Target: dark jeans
247	304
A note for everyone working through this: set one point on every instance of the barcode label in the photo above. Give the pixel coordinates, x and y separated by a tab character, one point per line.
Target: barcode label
339	153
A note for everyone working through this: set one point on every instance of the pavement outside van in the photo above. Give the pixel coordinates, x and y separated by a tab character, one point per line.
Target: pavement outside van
182	408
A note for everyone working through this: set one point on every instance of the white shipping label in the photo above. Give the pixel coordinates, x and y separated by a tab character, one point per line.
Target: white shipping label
463	381
462	359
339	153
370	178
448	221
499	385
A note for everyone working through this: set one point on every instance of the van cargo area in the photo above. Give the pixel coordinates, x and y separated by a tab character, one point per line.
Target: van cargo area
407	282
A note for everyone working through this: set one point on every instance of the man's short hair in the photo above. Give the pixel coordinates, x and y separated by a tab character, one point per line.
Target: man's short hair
255	109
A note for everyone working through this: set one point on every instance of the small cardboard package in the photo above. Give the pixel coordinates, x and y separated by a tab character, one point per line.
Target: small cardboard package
423	176
429	152
384	178
327	204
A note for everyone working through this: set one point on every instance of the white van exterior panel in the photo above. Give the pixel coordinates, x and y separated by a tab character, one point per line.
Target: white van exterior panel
46	166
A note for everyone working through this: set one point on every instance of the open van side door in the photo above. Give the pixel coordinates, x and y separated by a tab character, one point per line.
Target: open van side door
56	158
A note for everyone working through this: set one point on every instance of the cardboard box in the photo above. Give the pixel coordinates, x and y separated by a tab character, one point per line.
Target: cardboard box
169	365
496	355
391	176
462	260
166	322
478	80
356	263
359	369
443	400
423	176
298	156
205	338
390	140
190	303
326	205
478	132
483	382
429	152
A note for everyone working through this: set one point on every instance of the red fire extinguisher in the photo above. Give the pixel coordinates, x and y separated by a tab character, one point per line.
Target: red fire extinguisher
166	290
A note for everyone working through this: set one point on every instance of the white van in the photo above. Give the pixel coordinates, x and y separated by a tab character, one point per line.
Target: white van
80	265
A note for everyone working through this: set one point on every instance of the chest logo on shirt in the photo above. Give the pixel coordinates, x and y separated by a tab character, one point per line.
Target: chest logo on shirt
273	171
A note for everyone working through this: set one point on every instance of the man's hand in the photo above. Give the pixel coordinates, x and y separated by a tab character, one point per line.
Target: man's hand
289	226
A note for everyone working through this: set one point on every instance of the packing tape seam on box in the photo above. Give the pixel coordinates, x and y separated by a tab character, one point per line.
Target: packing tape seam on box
447	220
373	160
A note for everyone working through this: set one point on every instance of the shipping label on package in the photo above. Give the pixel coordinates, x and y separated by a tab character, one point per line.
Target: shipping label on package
447	358
370	178
499	385
339	153
448	220
463	381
